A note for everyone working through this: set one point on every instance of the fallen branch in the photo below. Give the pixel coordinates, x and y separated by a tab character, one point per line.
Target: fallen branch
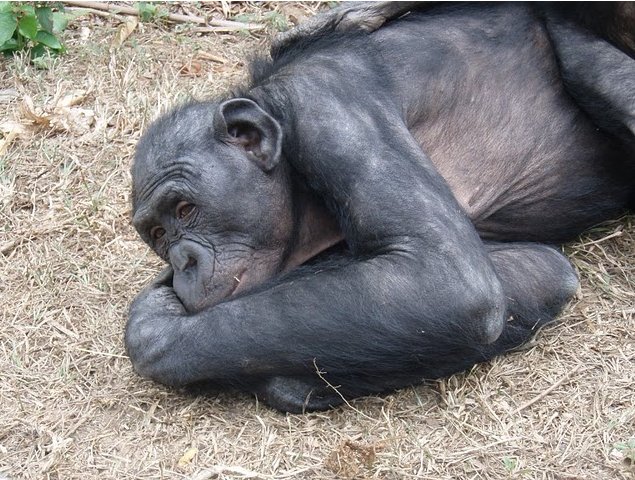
173	17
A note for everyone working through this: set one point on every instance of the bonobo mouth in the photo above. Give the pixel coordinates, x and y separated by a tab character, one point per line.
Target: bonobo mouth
237	282
247	279
214	295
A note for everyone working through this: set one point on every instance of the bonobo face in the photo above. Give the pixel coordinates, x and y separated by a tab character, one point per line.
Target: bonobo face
210	197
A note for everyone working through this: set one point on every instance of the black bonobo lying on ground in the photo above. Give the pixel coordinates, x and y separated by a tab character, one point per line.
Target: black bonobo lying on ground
375	207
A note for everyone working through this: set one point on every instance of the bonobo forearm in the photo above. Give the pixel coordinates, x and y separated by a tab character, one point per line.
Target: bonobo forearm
409	290
380	314
598	75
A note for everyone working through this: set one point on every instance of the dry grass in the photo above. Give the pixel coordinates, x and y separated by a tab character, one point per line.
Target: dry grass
71	407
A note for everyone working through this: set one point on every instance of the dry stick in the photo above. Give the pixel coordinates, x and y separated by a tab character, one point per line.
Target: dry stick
9	246
603	239
216	29
173	17
217	470
548	391
95	12
335	389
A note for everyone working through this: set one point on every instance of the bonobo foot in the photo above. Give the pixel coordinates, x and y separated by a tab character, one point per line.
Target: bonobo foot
298	395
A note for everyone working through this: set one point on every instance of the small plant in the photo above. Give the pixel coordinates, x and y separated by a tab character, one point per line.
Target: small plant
150	11
627	449
32	27
510	463
277	21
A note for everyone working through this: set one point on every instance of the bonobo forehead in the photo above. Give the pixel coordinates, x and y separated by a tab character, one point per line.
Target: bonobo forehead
169	144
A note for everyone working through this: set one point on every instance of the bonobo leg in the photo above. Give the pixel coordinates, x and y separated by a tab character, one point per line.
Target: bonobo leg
538	282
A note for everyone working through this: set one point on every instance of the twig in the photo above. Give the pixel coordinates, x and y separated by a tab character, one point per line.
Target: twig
173	17
92	11
8	247
335	389
105	354
619	233
218	470
547	391
461	454
211	57
234	28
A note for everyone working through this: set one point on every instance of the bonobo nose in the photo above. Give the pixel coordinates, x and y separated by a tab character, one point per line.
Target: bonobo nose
193	279
183	256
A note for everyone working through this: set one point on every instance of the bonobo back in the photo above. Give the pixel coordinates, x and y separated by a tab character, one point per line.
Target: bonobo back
480	90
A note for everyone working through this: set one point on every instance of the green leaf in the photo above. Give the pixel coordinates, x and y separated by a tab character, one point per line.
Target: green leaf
25	9
10	45
44	16
245	17
41	62
277	20
6	7
510	463
146	11
38	51
8	23
60	21
27	26
48	39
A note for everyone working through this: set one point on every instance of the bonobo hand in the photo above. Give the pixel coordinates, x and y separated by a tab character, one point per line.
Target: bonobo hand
151	331
366	16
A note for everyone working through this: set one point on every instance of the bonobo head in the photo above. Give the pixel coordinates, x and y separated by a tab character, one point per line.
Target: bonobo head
209	198
212	196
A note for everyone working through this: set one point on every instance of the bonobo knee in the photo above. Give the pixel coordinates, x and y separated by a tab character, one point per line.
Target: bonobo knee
490	313
485	310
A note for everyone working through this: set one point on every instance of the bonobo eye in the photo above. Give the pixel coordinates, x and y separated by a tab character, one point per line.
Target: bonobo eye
157	232
184	209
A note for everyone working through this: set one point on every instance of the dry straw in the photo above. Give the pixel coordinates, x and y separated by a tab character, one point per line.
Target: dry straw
70	406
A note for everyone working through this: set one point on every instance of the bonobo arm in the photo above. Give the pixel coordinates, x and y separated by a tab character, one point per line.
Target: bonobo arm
419	280
598	75
538	282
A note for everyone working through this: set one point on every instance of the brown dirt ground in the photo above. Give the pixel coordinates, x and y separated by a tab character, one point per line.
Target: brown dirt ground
70	405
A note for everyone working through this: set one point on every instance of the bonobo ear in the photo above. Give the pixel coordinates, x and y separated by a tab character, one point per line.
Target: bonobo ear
249	126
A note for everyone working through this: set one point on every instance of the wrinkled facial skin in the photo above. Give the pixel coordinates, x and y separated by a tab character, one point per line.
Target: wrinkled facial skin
208	200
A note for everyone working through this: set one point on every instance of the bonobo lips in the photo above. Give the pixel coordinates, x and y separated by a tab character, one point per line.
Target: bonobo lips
216	295
247	278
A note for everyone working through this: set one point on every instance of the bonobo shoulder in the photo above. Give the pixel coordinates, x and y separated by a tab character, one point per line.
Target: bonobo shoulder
262	68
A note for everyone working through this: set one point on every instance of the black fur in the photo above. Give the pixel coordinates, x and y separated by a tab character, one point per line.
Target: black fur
397	231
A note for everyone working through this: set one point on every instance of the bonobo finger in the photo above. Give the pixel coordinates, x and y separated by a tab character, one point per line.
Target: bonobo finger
157	299
164	277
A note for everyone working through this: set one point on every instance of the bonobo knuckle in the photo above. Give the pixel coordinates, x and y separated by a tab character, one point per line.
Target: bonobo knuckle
154	363
149	341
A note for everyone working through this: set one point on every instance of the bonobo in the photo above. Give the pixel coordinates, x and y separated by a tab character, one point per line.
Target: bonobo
376	208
